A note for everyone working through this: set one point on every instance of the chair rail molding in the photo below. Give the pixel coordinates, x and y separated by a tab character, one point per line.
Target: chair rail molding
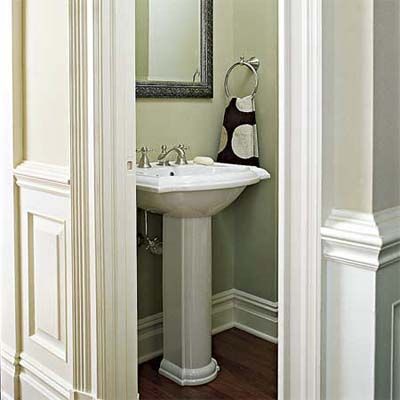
45	177
368	241
300	169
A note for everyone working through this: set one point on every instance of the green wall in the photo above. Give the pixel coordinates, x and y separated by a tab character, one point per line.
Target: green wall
256	224
142	39
245	234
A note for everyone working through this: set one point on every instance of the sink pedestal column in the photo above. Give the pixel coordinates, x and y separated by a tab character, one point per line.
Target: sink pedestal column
187	301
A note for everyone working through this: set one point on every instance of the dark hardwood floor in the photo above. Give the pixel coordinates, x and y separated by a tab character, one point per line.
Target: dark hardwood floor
248	372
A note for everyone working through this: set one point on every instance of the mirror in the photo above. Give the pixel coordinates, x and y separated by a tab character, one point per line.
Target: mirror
174	48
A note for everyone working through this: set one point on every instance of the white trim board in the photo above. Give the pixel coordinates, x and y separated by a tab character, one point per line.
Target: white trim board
230	309
363	240
362	275
43	177
300	202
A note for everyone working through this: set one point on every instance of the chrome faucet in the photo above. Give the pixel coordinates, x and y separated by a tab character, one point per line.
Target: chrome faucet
180	155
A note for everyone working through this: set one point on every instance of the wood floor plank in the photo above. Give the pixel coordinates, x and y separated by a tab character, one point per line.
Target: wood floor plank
248	372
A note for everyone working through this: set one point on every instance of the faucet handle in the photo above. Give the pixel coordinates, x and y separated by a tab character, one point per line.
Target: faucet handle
161	160
144	149
144	161
181	158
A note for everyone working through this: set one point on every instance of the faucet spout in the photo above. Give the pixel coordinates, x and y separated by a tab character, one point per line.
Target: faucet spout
180	152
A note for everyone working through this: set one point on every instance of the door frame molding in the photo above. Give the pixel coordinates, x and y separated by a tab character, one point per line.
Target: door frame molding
11	154
300	171
109	160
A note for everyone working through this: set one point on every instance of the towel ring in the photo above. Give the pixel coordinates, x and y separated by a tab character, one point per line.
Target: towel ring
252	64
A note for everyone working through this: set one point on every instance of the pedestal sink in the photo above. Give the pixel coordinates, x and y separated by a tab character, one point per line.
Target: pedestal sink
187	197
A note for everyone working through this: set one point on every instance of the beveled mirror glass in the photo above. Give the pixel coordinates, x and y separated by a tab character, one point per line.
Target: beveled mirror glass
174	48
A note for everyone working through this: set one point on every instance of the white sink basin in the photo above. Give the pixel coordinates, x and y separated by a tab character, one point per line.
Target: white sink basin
193	191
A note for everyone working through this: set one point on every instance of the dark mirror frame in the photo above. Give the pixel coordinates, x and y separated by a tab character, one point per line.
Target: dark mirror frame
171	89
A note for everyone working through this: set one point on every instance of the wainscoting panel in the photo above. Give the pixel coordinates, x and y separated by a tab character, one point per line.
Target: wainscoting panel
46	283
362	313
230	309
46	365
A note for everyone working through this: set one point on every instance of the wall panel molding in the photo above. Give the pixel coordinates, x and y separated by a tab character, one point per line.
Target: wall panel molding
368	241
45	362
230	309
47	310
46	238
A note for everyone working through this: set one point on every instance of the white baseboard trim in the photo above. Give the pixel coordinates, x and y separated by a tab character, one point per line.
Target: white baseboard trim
10	372
230	309
81	396
43	380
5	396
150	337
256	316
222	311
256	333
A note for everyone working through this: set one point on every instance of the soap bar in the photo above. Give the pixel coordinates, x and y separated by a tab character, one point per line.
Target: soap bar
203	160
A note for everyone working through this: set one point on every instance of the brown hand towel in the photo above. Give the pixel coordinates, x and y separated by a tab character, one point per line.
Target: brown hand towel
238	143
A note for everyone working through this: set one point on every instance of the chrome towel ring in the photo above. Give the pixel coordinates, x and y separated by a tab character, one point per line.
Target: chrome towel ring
252	64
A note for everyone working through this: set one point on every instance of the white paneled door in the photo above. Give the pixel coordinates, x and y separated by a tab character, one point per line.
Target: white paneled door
68	206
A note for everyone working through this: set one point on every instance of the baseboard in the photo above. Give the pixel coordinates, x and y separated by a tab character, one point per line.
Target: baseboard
230	309
5	396
222	311
36	378
256	316
9	372
75	395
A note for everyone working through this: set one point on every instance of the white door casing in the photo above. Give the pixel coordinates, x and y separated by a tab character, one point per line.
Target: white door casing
114	197
10	155
300	134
